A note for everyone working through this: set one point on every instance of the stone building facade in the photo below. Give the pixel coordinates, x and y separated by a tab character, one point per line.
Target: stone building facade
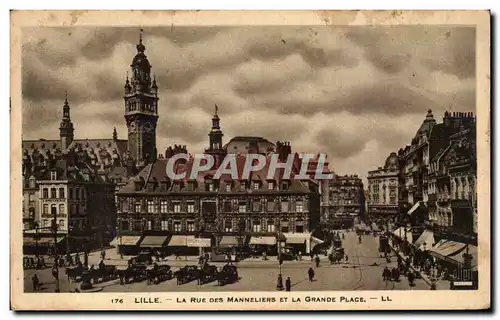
435	177
346	197
453	183
153	205
383	189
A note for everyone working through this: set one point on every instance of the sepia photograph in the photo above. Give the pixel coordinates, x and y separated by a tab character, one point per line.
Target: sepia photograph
326	158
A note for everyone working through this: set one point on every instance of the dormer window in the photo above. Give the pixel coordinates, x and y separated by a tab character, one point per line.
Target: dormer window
243	186
285	185
228	187
191	185
53	175
210	187
270	185
256	185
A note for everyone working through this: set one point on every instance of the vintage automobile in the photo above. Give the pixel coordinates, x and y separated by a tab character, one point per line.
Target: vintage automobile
160	274
187	274
144	257
227	274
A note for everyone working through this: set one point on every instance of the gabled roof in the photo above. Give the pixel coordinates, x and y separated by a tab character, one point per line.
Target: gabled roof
156	172
101	150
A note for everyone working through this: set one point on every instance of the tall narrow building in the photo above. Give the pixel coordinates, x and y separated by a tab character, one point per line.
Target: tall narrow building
141	109
215	147
66	130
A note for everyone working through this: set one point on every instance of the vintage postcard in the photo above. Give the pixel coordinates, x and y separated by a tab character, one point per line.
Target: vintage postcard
250	160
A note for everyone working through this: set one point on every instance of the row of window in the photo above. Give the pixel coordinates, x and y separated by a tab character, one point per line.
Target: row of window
212	187
190	226
47	223
74	193
75	209
229	206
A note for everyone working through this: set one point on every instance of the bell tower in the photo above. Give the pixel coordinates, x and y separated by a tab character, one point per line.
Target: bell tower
66	130
141	108
215	140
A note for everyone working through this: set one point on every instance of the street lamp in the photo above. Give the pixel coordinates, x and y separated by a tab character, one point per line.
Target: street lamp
280	239
55	271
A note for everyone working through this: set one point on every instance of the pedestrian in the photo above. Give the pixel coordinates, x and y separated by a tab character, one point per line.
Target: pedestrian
35	281
310	273
411	278
288	284
279	285
346	258
317	261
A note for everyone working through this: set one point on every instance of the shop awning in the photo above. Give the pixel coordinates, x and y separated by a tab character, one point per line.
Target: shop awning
199	242
451	248
315	241
179	241
128	240
30	241
153	241
265	241
49	241
414	208
228	241
296	238
446	248
425	241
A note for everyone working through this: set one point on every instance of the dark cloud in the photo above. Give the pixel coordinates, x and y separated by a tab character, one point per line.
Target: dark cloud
461	58
103	41
380	49
385	98
37	115
183	129
276	48
280	100
340	143
451	50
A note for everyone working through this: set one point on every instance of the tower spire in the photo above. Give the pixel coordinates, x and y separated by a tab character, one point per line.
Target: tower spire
66	107
140	47
66	129
115	134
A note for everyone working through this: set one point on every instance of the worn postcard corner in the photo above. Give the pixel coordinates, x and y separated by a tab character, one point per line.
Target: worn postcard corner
313	160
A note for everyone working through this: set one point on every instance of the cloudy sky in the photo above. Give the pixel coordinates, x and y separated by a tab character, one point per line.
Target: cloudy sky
356	93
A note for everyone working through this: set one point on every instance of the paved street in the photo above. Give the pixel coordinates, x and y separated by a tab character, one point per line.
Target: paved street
258	275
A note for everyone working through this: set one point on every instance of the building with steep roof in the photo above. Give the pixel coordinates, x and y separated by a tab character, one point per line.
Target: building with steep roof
94	164
221	210
75	200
